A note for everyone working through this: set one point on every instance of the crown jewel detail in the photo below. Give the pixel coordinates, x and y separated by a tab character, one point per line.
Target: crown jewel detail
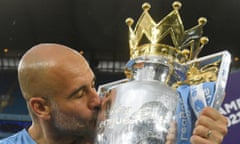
186	43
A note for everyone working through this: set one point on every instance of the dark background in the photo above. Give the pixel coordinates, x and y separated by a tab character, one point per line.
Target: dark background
98	26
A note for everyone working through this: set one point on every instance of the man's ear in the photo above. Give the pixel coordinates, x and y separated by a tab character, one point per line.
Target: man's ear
40	107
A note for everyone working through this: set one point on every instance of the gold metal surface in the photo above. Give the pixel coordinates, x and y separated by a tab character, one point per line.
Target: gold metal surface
186	43
207	73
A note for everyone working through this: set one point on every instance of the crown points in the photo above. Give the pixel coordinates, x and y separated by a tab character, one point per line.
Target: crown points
148	37
129	21
202	21
204	40
186	53
176	5
146	6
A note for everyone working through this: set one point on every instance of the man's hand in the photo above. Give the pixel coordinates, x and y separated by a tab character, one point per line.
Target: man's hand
172	134
210	128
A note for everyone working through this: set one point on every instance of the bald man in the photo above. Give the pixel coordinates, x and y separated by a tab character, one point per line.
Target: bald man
58	86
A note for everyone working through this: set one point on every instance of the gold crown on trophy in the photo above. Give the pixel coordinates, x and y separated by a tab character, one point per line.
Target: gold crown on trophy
185	45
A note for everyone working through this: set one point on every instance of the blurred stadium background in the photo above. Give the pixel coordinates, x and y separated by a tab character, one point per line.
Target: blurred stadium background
97	29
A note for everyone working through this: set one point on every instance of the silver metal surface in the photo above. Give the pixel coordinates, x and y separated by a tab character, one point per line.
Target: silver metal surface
139	111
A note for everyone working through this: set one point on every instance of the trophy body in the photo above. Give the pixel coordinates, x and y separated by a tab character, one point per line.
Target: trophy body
152	108
139	111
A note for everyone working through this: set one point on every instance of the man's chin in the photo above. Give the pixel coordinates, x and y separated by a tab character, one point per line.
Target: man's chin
91	127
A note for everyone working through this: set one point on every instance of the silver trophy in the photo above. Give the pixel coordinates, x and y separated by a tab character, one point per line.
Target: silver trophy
147	107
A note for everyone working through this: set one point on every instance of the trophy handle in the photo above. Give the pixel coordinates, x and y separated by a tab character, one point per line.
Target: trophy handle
222	80
211	68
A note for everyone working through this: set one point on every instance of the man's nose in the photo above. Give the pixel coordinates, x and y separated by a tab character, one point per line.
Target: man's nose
94	100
